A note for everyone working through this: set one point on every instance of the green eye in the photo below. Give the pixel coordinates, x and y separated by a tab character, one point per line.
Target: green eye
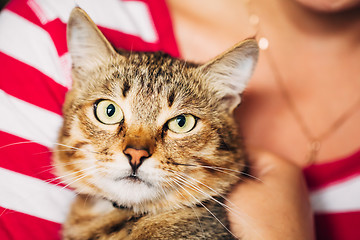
108	112
182	124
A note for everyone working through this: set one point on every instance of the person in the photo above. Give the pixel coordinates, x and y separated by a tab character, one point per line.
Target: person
294	101
303	105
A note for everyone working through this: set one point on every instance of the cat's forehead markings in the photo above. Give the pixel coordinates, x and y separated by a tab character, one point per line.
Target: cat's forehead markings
127	110
165	114
171	98
163	117
125	88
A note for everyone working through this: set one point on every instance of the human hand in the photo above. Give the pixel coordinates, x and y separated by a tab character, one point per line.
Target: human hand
276	206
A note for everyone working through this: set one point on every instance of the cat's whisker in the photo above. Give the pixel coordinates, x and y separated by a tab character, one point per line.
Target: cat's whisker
173	187
47	168
82	176
162	187
208	187
199	202
197	165
253	177
65	182
183	175
230	209
76	148
198	189
69	163
54	165
53	151
37	142
222	169
196	214
18	143
61	182
241	164
69	174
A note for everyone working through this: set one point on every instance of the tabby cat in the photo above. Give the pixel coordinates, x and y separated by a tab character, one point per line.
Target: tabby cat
149	141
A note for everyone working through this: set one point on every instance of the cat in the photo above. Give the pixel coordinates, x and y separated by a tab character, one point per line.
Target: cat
149	141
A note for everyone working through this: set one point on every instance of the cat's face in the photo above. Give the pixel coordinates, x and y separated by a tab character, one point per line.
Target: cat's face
148	131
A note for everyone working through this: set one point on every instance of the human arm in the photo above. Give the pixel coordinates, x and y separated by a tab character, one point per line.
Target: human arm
274	207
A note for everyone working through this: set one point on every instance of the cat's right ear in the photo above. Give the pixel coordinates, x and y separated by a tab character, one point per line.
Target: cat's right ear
87	46
230	72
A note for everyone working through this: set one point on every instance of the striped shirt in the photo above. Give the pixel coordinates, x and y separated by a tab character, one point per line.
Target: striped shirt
335	198
34	77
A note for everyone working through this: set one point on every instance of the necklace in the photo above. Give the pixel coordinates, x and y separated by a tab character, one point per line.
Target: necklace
314	141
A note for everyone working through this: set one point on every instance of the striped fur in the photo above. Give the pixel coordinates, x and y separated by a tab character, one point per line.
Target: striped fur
180	186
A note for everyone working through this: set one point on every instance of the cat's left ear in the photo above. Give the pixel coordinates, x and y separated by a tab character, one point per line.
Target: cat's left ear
230	72
87	46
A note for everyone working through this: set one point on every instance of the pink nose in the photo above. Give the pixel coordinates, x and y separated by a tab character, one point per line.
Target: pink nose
136	157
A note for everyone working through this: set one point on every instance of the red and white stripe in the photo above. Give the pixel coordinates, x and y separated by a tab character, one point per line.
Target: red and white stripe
35	75
28	121
39	51
132	17
343	196
33	196
335	198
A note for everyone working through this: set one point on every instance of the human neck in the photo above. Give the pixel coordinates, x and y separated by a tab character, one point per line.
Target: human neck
296	20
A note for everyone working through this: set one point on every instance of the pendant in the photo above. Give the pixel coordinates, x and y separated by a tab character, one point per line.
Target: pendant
314	148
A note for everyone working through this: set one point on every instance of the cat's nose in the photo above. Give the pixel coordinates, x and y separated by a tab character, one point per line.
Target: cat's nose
136	157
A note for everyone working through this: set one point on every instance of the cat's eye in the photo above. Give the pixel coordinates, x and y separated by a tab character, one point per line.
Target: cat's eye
182	124
108	112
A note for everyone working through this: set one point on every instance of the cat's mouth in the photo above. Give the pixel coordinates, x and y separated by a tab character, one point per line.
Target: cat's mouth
134	179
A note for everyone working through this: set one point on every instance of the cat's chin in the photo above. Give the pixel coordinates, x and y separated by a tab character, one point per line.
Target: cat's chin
130	191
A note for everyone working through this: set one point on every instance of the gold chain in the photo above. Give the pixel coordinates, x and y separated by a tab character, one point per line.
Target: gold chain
314	141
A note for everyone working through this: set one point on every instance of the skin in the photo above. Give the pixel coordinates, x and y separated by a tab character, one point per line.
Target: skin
330	5
277	207
322	89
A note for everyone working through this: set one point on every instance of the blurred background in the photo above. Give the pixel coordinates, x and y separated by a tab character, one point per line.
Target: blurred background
2	3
